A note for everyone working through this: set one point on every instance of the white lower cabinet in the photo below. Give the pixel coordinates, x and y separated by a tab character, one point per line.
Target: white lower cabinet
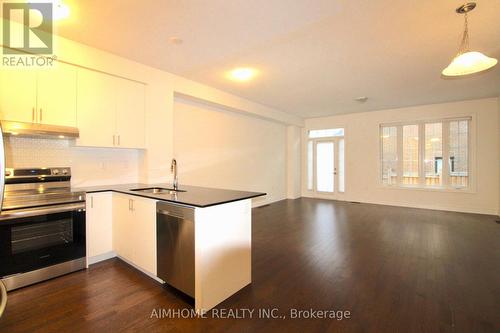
99	225
134	230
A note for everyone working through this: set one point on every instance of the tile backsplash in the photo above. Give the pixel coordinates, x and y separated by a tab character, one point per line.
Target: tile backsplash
89	166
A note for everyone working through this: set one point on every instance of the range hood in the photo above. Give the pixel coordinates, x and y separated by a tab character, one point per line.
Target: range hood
39	130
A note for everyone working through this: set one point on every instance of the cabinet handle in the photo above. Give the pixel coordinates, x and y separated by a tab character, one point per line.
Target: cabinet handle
118	139
129	204
91	202
41	114
33	115
114	140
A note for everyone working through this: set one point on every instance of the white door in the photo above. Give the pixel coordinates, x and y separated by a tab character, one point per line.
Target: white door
99	224
329	167
123	227
57	95
144	211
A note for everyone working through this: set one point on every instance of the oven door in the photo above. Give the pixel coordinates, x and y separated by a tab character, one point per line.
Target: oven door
35	238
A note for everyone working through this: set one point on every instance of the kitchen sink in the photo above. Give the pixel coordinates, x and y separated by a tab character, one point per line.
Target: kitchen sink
157	190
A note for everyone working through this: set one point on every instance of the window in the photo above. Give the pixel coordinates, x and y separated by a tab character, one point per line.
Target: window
459	153
410	154
426	154
433	160
389	155
310	157
326	133
341	166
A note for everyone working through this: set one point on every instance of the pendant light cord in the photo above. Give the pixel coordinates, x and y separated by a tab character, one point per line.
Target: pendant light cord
464	45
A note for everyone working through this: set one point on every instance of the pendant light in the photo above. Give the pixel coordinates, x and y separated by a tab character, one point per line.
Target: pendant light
468	62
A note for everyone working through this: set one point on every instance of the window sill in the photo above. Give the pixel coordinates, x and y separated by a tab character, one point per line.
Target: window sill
428	188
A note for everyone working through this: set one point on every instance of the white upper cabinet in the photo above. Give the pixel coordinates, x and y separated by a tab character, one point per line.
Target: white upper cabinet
17	95
110	111
96	109
57	95
130	114
44	96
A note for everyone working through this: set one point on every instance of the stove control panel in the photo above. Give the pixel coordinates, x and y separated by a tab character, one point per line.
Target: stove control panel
37	172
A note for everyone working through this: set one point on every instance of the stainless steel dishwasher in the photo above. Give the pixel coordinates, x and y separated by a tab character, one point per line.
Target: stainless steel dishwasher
175	246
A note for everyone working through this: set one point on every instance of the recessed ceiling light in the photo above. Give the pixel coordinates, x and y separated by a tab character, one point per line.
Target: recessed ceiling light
361	99
61	10
175	40
242	74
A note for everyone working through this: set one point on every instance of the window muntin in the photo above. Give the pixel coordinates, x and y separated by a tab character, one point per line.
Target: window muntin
426	154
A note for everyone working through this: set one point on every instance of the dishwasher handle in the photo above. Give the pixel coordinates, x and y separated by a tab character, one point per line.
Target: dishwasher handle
181	212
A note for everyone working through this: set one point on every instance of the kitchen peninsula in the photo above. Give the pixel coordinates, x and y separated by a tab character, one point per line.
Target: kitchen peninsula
195	239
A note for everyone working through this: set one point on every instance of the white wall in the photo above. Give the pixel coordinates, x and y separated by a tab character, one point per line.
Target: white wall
362	157
89	166
224	149
293	155
153	164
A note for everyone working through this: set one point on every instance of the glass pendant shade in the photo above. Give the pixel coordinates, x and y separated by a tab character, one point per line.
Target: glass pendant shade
469	63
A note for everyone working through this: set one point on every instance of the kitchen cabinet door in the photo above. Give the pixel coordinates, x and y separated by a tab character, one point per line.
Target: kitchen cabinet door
17	94
57	95
96	109
130	115
124	238
99	224
144	226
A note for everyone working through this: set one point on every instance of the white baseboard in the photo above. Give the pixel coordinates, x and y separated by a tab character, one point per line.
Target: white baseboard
154	277
100	257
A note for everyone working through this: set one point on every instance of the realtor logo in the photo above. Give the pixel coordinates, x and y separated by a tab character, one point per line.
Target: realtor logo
33	32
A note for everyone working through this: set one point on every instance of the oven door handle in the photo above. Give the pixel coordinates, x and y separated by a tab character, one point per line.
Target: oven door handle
29	212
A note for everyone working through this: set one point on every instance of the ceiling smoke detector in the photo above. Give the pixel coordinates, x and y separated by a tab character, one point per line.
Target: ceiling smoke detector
361	99
175	40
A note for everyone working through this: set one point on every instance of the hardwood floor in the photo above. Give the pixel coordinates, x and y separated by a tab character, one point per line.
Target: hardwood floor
395	270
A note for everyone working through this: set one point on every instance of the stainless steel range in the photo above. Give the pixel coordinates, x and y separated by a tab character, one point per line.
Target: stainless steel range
42	226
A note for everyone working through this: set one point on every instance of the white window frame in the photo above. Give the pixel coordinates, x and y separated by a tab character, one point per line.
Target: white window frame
445	187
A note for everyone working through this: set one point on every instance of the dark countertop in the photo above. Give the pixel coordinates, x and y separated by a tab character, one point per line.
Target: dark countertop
194	195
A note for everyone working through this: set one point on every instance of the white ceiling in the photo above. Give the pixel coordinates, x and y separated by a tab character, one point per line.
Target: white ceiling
314	56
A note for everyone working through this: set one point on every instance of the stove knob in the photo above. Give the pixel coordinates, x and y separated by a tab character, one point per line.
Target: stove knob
64	171
55	172
7	173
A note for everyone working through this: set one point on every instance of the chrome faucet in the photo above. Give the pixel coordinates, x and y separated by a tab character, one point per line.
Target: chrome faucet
173	169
